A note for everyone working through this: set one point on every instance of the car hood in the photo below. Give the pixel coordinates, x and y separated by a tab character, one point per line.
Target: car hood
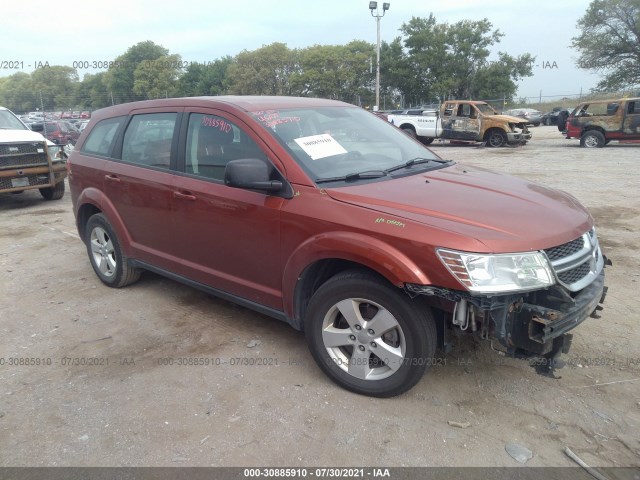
7	136
507	118
505	213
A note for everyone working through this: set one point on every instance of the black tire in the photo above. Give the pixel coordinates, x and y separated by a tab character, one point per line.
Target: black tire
406	329
496	138
102	242
53	193
536	124
592	139
409	131
426	140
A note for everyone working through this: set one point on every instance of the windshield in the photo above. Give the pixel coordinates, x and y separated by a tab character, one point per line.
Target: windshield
485	109
10	122
346	144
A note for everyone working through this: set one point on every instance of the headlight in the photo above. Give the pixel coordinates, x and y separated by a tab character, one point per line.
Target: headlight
56	153
513	272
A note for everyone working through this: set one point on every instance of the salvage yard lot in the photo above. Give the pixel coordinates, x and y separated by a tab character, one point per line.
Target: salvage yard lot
159	374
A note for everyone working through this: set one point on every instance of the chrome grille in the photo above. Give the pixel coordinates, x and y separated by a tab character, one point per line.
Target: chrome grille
34	180
23	154
20	148
17	161
566	249
575	274
578	262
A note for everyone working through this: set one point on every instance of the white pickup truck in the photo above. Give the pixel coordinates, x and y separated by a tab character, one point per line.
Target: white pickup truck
463	120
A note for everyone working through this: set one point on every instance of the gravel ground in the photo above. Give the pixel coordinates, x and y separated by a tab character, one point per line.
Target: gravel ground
100	390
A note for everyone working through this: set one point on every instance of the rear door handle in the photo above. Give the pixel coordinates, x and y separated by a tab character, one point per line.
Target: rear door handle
184	196
112	178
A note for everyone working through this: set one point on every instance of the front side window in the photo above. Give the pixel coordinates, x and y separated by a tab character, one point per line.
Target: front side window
147	140
101	137
344	144
599	109
212	142
485	109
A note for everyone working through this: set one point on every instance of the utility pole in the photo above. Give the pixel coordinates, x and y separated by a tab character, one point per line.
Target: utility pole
374	6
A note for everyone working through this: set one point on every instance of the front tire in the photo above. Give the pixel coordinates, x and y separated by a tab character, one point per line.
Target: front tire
105	254
496	138
592	139
53	193
369	337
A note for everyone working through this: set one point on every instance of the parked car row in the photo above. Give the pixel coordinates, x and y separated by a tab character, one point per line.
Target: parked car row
532	116
59	132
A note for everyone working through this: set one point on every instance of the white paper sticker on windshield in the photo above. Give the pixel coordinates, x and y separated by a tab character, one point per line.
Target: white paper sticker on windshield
320	146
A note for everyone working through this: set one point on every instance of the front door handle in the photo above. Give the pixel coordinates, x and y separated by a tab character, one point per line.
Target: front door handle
112	178
184	196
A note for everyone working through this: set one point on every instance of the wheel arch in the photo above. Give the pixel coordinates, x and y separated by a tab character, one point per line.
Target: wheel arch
588	128
490	130
407	126
323	256
92	201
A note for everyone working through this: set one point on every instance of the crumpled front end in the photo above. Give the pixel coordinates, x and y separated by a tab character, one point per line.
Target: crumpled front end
535	323
519	134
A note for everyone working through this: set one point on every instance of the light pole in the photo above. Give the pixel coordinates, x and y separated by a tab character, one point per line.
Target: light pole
374	6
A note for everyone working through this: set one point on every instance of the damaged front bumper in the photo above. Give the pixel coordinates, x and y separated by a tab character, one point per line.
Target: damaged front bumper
531	324
518	137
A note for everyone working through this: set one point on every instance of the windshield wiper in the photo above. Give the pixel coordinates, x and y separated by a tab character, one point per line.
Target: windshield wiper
354	176
415	161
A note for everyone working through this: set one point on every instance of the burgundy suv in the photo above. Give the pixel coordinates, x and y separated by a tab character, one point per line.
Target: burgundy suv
325	216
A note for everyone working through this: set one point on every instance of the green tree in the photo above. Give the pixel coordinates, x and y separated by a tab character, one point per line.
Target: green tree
496	79
55	86
17	93
335	71
609	42
157	78
447	60
398	79
265	71
205	79
92	92
119	78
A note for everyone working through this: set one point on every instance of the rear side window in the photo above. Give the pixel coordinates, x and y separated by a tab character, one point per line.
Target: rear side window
147	140
102	136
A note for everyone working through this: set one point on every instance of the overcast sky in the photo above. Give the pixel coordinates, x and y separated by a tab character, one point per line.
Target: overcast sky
203	30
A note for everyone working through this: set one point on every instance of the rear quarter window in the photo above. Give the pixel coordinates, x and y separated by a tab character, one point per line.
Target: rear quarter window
102	136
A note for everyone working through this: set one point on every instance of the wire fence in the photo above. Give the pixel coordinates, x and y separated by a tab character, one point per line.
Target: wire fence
74	106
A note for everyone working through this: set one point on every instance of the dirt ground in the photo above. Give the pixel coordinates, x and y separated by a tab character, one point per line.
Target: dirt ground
99	388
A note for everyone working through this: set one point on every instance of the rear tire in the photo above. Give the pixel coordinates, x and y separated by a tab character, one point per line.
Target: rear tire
592	139
426	140
369	337
105	254
409	131
53	193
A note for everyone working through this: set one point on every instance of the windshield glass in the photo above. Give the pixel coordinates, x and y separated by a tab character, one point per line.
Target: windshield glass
9	121
334	142
485	109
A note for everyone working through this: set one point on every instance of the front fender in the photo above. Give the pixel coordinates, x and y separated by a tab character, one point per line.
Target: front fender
95	197
373	253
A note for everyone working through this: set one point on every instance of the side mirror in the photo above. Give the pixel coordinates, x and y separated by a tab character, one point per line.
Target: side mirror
37	127
251	174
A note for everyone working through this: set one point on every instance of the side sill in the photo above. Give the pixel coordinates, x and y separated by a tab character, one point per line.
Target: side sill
270	312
